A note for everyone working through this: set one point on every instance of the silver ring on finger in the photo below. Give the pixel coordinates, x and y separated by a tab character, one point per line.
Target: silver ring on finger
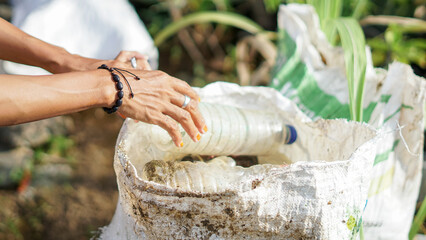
133	62
186	101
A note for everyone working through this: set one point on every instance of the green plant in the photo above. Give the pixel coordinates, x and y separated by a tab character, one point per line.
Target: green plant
57	145
394	43
353	42
11	226
347	32
419	219
226	18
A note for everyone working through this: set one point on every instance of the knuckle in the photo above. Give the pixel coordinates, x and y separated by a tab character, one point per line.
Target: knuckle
192	106
166	92
153	118
156	94
173	127
185	116
186	84
163	94
160	73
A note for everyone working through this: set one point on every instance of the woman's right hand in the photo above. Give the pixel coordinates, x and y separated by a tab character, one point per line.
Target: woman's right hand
158	99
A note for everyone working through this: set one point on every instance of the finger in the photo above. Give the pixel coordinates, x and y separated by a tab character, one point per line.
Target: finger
170	126
125	56
193	109
143	64
197	117
184	88
185	119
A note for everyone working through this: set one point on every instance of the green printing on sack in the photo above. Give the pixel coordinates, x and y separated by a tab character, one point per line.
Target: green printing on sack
308	94
385	98
397	111
381	183
291	75
384	156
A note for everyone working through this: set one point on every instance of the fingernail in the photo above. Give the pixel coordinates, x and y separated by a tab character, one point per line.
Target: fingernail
181	144
198	137
205	129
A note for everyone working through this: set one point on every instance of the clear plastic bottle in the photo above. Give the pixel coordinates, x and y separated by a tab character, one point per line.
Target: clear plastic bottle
232	131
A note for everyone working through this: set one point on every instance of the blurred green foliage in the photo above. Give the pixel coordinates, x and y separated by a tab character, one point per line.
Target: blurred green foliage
207	51
396	44
388	42
59	146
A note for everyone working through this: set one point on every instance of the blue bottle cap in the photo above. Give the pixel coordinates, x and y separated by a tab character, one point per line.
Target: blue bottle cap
291	134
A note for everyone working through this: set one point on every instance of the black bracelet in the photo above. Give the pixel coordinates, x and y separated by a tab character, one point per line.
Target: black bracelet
118	86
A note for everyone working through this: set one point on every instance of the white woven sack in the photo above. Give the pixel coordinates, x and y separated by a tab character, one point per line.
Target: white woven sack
320	196
312	74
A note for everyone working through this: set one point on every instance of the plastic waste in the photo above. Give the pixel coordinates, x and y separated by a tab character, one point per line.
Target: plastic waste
320	195
216	175
232	131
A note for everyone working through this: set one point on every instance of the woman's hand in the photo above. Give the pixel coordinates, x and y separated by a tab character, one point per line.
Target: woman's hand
79	63
158	99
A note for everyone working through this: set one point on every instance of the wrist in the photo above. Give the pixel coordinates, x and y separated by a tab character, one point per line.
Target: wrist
107	88
55	61
63	62
115	72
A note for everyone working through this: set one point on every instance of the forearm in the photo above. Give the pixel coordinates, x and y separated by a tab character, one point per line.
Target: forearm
17	46
30	98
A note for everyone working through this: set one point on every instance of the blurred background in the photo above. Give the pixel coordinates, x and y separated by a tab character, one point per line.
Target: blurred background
56	178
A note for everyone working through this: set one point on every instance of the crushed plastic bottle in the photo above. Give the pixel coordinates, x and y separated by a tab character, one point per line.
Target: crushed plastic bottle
216	175
233	131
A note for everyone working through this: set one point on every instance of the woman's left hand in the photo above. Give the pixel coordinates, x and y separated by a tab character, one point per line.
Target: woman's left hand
123	61
76	63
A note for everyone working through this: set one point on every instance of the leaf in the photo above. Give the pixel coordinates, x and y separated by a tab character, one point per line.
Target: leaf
418	220
359	8
353	42
327	10
227	18
271	5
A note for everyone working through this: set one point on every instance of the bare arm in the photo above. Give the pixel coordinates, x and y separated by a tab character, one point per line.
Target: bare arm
17	46
157	100
30	98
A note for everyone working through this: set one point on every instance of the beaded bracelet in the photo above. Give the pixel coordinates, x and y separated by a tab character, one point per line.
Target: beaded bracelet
118	86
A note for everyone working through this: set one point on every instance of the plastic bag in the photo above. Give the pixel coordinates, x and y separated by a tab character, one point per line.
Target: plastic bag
312	74
320	196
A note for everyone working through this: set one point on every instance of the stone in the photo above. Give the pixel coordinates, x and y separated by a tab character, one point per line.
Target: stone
12	165
46	175
5	11
34	134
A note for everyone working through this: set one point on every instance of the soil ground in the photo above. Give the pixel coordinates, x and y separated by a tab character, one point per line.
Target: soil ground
77	208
